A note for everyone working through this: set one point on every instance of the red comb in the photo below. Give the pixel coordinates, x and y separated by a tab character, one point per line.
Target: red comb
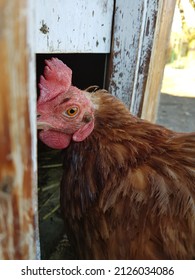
56	79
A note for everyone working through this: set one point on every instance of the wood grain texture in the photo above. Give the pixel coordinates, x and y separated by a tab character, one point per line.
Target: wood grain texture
17	215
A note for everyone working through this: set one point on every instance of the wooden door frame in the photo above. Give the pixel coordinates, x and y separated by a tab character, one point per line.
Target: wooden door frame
18	199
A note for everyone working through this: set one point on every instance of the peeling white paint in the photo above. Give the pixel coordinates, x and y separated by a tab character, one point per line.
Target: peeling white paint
32	97
126	38
139	54
73	26
145	49
132	41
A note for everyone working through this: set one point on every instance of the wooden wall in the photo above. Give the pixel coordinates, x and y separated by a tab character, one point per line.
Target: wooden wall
17	182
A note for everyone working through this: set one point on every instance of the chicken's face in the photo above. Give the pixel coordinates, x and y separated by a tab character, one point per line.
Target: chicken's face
65	113
69	116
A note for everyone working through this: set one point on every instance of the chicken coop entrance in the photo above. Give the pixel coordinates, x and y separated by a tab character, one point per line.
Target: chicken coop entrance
88	69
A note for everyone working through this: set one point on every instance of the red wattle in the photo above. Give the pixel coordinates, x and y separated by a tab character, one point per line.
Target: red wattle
83	132
55	139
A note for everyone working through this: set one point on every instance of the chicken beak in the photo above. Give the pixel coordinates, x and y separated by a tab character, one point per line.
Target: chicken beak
41	124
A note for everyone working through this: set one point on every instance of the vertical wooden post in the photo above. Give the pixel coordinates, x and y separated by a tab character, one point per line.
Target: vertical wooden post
17	201
158	59
140	36
133	33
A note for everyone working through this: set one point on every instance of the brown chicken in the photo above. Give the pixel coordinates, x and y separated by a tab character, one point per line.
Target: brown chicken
128	186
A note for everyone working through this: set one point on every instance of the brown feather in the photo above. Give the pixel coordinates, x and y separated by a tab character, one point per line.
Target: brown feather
128	190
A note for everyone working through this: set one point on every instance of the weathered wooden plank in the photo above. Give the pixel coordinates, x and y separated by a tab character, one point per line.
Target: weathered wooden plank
134	25
158	59
144	54
73	26
124	52
17	213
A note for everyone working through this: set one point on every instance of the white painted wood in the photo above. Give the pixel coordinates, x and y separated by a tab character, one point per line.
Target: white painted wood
126	37
134	25
144	54
32	99
73	26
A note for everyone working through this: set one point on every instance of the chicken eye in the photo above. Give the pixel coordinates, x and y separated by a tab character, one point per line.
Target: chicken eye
71	112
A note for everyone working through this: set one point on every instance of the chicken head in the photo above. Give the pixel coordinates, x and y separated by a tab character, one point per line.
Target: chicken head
64	112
